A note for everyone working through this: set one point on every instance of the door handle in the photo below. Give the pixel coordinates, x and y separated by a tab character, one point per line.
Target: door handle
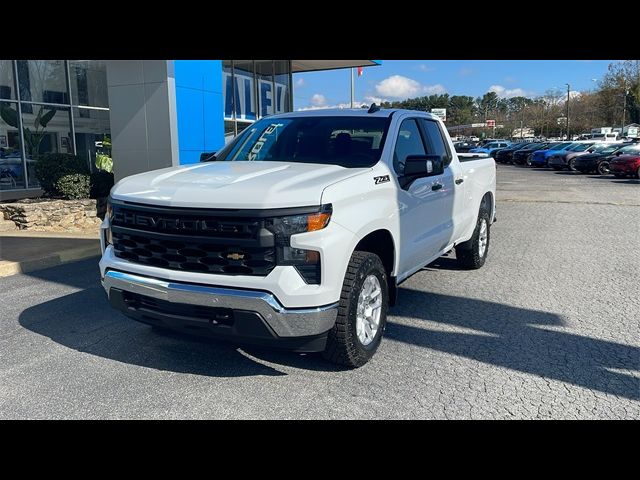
459	181
436	186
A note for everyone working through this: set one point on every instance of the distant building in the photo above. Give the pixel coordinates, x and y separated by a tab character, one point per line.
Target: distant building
525	132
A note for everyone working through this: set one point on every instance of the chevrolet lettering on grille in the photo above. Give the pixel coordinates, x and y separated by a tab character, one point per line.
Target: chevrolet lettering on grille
160	223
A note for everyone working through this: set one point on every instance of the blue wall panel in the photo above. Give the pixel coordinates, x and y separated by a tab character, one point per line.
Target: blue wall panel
199	105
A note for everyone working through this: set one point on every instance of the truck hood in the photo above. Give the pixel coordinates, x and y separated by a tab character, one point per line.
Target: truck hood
233	184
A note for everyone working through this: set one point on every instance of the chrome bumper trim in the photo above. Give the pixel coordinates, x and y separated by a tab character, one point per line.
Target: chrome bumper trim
286	322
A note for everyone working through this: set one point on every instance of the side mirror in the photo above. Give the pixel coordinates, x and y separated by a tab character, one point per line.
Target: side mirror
208	157
618	154
423	166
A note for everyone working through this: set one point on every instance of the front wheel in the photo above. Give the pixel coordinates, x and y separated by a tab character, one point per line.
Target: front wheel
572	165
473	253
362	312
603	168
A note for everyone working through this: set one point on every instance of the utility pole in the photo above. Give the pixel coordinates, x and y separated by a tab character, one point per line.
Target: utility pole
522	121
624	110
353	91
568	90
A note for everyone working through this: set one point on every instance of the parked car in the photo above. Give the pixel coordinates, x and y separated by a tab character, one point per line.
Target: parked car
299	231
539	157
464	147
520	156
599	160
558	161
505	155
626	162
490	148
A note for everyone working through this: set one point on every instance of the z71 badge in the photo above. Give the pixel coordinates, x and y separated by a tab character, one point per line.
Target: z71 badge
382	179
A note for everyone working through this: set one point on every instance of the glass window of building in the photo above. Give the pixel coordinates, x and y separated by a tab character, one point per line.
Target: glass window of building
43	81
11	163
253	89
7	85
264	76
93	134
88	80
47	129
282	86
64	106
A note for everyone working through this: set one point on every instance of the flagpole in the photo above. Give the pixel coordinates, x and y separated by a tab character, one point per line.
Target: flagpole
353	101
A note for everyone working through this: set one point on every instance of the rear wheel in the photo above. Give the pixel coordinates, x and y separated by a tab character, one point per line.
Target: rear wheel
528	160
362	312
473	253
603	168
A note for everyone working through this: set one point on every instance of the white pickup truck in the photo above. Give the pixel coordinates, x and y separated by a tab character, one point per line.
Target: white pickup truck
299	231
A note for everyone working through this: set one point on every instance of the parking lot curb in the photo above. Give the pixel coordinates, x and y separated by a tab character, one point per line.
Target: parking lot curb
8	268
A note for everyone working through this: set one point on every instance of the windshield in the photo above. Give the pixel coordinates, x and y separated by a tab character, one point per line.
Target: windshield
581	148
609	149
560	146
346	141
632	149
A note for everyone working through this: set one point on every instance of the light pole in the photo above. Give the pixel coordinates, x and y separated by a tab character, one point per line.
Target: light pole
624	111
568	90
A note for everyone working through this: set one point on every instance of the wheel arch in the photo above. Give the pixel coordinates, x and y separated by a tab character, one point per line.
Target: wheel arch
381	243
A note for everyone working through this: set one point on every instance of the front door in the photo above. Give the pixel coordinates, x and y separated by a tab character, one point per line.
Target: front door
425	219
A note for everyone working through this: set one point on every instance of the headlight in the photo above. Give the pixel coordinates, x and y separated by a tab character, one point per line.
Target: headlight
307	262
291	225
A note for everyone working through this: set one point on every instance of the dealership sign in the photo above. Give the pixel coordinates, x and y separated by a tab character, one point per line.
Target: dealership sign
245	95
440	112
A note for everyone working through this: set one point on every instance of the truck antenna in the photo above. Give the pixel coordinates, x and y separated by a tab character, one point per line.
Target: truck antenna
373	108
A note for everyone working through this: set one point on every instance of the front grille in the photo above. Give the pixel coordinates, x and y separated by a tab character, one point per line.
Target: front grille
192	241
193	256
215	315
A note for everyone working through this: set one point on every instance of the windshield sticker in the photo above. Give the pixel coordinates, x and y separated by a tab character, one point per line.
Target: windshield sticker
253	154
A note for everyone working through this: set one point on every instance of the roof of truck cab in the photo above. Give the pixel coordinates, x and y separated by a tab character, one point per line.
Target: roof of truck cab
347	112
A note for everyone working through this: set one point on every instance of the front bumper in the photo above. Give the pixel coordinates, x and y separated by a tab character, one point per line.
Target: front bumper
246	315
622	169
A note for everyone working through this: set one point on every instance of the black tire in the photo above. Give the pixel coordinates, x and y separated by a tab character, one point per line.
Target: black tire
571	165
638	173
343	346
528	161
467	253
603	168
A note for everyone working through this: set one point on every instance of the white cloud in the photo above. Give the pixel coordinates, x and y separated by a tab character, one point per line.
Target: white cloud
371	99
397	86
465	71
300	82
434	89
503	92
318	100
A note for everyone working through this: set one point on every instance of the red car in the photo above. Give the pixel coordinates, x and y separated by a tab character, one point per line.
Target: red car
628	163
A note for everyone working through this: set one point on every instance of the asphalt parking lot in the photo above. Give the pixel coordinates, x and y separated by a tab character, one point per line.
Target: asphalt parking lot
548	328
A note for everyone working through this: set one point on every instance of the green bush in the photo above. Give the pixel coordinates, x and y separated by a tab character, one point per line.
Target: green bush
101	183
51	167
74	187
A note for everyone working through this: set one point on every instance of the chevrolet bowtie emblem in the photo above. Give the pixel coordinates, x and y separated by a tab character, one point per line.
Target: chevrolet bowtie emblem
235	256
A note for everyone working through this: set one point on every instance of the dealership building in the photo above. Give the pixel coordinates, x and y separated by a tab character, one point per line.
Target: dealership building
149	113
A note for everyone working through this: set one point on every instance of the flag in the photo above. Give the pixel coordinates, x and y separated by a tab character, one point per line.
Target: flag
359	71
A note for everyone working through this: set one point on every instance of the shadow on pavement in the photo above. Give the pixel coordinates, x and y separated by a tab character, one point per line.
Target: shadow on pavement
507	336
516	338
84	321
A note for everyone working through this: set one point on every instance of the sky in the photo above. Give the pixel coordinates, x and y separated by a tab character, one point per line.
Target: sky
401	79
